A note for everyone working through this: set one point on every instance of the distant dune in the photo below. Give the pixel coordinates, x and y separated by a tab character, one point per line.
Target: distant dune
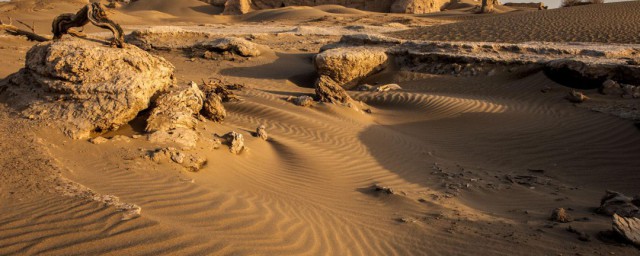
607	23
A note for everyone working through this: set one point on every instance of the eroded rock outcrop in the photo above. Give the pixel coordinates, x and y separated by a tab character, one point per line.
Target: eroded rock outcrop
415	6
261	132
348	66
327	90
86	87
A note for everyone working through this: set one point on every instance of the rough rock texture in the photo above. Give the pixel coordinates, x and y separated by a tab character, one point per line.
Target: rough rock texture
616	203
235	141
592	71
576	97
561	215
176	109
233	45
348	66
303	100
87	87
629	228
610	87
327	90
185	138
213	108
236	7
416	6
190	162
261	132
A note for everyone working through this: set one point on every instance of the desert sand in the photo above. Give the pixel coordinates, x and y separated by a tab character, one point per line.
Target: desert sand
454	163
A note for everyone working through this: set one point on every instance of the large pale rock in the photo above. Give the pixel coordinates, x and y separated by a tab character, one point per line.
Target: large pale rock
176	109
237	7
629	228
86	87
234	45
415	6
348	66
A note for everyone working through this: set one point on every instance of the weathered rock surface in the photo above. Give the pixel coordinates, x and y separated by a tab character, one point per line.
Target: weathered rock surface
576	97
416	6
561	215
235	141
184	138
617	203
348	66
303	100
610	87
233	45
261	132
216	93
176	109
236	7
628	228
85	86
327	90
190	162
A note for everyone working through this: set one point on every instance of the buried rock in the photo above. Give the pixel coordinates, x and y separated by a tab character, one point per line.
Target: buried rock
379	88
628	228
84	86
232	45
616	203
302	100
189	162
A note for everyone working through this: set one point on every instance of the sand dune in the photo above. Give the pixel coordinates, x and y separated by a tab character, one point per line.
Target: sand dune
609	23
470	165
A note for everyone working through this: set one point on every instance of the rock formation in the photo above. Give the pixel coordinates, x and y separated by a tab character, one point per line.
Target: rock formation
189	162
303	100
234	7
348	66
576	97
628	228
86	87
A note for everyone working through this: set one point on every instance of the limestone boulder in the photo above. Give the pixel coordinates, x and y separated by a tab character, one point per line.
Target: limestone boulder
348	66
86	87
327	90
617	203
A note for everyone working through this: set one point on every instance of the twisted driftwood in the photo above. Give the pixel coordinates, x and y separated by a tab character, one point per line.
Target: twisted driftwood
93	13
13	30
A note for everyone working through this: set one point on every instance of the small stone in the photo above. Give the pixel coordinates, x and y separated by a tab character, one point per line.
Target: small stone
611	87
387	87
216	143
561	215
261	132
121	138
131	211
98	140
380	188
576	97
235	141
303	101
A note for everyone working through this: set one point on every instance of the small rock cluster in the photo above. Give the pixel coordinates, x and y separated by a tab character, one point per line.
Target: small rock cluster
611	87
190	162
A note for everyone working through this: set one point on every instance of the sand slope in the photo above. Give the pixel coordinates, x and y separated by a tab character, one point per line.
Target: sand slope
610	23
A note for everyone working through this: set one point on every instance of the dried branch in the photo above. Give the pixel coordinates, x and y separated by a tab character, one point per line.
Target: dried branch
13	30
